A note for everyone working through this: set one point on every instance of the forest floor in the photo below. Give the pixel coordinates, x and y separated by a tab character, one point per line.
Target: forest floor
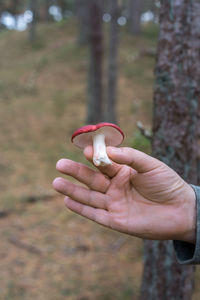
48	252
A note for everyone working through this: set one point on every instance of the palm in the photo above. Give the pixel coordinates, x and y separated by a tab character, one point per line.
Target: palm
145	203
135	198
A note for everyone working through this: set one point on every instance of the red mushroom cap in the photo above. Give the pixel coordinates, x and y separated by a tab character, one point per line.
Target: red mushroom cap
83	136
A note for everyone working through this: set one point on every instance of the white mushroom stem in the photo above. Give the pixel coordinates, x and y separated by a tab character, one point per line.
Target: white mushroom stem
100	157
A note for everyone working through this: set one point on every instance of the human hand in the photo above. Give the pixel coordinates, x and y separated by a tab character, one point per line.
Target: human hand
137	194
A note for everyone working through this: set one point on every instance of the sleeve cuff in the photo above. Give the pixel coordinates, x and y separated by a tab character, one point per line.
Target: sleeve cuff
188	253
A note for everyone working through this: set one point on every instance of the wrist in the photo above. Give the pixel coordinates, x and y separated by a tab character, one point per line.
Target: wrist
190	215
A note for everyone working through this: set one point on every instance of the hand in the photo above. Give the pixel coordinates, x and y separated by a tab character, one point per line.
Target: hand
137	194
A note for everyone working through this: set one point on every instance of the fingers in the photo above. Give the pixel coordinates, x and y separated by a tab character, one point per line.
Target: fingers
138	160
94	180
98	215
110	170
79	193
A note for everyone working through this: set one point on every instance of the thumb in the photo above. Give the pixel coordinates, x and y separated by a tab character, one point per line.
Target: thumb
136	159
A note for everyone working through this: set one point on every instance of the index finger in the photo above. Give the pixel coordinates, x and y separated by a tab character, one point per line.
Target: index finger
94	180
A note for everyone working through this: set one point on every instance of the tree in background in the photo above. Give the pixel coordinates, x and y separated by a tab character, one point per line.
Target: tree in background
95	90
32	25
64	5
98	109
135	11
82	11
175	135
151	5
110	106
46	5
12	6
1	11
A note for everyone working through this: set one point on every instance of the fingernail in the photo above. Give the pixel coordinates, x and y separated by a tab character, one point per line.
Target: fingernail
60	163
57	182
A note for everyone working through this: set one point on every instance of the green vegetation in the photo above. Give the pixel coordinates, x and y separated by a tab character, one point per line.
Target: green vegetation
141	143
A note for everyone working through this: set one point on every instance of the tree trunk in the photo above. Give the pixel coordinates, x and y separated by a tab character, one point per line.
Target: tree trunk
47	15
14	7
198	163
82	11
198	150
1	11
63	6
135	9
32	25
95	105
110	107
43	14
176	102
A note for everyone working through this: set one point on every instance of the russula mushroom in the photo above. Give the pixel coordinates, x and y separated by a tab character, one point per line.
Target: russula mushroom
100	136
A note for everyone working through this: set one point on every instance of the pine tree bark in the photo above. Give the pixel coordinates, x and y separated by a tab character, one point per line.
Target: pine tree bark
32	25
135	9
1	11
82	11
175	135
63	6
110	107
95	98
46	8
14	8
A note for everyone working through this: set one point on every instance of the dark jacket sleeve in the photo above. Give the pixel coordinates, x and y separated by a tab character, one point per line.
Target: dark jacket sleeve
187	253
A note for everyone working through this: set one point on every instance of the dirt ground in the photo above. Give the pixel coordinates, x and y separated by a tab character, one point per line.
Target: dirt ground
46	251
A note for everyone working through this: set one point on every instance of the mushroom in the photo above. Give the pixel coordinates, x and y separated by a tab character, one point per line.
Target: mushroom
100	136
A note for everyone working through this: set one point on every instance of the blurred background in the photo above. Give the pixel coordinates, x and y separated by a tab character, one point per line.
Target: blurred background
63	64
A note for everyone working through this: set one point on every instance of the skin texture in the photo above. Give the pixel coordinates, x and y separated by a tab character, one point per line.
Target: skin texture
137	194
